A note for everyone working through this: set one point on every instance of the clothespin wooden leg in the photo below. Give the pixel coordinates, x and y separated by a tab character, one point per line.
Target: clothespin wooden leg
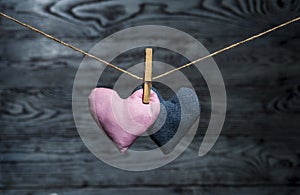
147	76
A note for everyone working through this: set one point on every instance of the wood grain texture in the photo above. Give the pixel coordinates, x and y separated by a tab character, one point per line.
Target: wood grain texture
241	160
270	61
258	151
88	18
48	110
159	190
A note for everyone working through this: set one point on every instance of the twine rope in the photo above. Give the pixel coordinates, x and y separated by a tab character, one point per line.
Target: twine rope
161	75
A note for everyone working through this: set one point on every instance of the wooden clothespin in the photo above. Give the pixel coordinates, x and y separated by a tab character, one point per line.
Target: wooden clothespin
147	76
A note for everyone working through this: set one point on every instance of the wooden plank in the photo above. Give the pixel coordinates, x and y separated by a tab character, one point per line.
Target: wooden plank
47	111
83	18
270	65
279	190
61	149
279	49
241	160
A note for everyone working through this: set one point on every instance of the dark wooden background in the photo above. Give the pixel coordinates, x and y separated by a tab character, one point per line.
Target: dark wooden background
257	152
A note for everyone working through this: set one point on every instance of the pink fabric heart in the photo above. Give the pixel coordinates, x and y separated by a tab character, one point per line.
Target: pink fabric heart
123	120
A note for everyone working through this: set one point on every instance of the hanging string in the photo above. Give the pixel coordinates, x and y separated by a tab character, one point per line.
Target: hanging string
161	75
70	46
227	48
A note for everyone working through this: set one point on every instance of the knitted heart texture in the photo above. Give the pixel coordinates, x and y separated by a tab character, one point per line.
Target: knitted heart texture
124	120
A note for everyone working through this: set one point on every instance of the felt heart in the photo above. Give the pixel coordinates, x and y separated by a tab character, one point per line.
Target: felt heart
176	117
123	120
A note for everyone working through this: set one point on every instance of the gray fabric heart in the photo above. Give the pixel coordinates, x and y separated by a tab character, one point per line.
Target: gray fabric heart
180	112
176	117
